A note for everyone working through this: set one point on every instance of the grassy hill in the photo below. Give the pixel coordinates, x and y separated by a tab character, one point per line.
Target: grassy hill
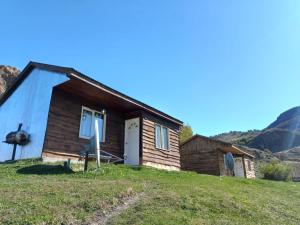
36	193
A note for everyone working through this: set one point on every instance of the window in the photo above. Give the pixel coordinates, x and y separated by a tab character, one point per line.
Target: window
161	137
158	136
87	123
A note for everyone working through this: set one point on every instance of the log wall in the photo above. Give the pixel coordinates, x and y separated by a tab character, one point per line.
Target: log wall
62	133
201	156
204	155
151	156
223	171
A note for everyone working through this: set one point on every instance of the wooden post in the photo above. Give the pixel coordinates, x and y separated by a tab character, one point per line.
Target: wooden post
97	139
86	161
244	166
15	145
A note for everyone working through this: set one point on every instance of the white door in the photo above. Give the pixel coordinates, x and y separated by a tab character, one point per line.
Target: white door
239	167
132	142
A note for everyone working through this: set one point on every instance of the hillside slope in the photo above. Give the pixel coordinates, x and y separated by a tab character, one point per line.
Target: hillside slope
289	155
36	193
282	134
7	76
276	140
238	137
289	120
260	155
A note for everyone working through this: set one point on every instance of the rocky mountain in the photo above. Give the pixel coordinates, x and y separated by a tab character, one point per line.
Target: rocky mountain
7	75
282	134
289	120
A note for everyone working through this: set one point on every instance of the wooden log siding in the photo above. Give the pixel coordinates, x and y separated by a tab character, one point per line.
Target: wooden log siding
62	133
222	164
200	156
167	159
205	155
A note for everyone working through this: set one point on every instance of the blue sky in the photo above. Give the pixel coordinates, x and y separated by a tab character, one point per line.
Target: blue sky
217	65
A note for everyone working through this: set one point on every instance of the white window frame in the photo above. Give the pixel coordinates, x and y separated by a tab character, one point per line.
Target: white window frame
93	122
161	137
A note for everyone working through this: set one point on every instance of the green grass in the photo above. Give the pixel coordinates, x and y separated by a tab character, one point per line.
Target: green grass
35	193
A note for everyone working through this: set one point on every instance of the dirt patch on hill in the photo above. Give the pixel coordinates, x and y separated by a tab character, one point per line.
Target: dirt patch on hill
102	218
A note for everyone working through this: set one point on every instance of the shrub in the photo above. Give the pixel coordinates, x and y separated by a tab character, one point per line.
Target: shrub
276	171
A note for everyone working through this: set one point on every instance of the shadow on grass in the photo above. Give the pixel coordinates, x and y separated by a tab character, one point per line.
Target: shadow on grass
136	168
45	170
8	162
32	160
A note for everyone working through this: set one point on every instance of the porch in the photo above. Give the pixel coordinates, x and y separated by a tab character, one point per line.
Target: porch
71	125
127	127
243	162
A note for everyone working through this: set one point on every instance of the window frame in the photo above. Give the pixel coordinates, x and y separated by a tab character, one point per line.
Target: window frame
93	120
161	137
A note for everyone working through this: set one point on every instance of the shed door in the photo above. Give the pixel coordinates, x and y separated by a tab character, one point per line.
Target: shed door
132	142
239	167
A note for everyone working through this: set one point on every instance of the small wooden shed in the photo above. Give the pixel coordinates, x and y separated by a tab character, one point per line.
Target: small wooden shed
206	155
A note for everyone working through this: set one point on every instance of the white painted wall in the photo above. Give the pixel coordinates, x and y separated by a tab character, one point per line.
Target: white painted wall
238	167
29	104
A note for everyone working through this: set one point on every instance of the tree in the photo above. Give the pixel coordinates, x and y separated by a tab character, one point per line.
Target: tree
186	132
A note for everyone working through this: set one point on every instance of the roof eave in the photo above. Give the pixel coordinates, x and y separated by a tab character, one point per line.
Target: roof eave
243	152
118	94
228	145
70	72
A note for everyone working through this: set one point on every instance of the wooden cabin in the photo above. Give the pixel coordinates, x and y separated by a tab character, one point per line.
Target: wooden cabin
58	106
205	155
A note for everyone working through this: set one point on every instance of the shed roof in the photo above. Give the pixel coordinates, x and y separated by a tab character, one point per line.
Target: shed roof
72	73
227	147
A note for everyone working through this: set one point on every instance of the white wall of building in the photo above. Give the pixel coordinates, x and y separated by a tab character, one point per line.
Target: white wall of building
239	167
28	104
